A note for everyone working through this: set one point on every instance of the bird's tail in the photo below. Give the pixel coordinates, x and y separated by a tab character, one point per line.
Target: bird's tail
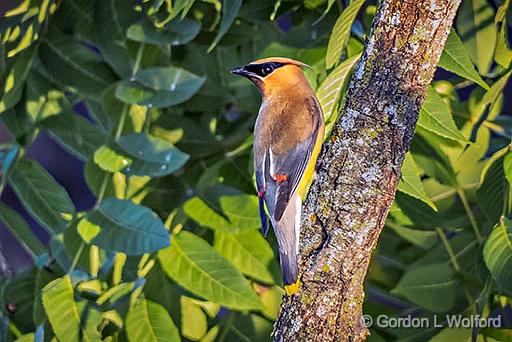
287	231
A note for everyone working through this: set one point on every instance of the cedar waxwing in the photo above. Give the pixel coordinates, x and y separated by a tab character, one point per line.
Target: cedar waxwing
288	136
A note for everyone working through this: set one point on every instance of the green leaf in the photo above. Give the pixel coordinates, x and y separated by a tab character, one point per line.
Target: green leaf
230	9
20	229
133	92
20	290
109	159
249	252
65	61
110	19
436	117
453	334
197	209
197	267
239	208
489	162
182	83
503	54
75	134
225	208
430	286
65	315
250	328
492	192
476	27
45	199
496	90
497	254
14	81
455	59
193	319
327	8
341	33
122	226
149	321
424	239
410	183
329	92
160	87
175	32
151	156
507	167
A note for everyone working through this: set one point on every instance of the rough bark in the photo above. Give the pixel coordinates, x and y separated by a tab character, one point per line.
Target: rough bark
359	168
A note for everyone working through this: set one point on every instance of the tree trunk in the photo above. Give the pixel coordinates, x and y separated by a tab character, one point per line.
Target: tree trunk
359	168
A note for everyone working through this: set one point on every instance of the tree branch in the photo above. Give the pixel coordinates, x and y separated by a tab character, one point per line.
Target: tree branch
359	168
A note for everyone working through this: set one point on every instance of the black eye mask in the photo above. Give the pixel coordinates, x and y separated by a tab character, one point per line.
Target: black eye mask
263	69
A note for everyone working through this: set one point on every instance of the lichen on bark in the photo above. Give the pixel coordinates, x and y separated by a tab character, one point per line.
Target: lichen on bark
359	167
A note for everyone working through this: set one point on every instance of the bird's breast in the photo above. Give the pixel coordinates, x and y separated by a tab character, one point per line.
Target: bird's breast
283	123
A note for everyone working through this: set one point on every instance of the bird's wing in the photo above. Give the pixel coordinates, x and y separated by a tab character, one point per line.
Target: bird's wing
291	164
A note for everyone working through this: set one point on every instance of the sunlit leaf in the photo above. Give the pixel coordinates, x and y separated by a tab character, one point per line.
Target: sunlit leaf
340	33
122	226
455	59
329	92
249	252
65	315
476	27
436	116
149	321
193	319
410	182
196	266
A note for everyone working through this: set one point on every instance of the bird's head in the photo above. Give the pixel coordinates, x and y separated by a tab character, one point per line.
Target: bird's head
274	74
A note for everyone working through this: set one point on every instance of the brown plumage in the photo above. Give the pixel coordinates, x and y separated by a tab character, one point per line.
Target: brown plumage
287	139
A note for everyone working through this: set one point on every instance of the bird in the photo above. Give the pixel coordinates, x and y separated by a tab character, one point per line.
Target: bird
288	136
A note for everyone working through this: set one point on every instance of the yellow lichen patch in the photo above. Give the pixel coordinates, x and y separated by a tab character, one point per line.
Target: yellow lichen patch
292	288
307	299
326	268
312	218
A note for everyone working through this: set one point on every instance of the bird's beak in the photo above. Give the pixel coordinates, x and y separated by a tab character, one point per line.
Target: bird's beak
241	71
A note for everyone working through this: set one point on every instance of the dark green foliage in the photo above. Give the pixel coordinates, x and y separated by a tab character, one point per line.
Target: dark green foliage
171	250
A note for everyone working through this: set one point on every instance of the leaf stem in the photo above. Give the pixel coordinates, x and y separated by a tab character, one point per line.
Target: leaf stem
470	214
449	249
138	59
455	263
77	257
227	326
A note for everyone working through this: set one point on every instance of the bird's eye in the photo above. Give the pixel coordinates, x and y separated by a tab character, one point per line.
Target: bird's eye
267	69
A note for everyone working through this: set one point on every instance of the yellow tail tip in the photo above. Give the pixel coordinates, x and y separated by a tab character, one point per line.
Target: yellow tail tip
292	288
